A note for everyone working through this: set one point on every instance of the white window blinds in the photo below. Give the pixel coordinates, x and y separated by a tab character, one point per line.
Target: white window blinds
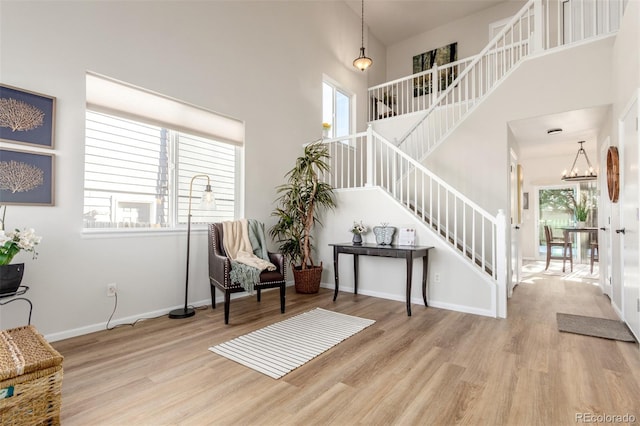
117	98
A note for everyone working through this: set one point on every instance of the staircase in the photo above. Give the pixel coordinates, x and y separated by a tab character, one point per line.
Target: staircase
468	82
479	237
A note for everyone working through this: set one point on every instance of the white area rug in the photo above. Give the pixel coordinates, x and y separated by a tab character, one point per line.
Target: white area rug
279	348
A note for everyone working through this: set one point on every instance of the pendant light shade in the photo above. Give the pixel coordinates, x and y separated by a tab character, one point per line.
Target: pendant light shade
574	174
362	62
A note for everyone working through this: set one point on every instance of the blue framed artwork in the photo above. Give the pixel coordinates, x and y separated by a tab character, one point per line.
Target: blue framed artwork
26	178
26	117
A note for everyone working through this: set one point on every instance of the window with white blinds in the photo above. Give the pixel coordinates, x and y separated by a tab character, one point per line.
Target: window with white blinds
137	175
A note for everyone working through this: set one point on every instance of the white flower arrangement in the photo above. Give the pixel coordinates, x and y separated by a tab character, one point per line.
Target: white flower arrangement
358	228
12	242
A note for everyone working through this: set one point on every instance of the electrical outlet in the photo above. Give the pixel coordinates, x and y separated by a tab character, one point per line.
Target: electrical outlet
112	289
436	277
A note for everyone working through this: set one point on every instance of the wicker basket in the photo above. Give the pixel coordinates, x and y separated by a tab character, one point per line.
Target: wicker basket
307	281
30	378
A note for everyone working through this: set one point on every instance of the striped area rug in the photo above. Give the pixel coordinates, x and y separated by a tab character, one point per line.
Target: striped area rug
279	348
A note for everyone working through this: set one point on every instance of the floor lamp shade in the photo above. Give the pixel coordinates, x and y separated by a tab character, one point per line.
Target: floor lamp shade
207	202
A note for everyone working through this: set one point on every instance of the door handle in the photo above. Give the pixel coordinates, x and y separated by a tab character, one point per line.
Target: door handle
517	227
620	231
603	229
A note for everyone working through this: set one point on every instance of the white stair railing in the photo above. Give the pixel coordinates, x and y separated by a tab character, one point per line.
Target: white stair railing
414	93
529	31
367	159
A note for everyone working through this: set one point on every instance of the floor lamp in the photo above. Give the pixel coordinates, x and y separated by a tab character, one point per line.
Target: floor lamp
207	202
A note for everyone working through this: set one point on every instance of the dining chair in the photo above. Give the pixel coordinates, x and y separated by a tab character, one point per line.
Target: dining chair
595	252
564	243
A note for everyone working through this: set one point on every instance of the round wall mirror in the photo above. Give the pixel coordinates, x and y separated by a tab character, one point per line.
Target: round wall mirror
613	174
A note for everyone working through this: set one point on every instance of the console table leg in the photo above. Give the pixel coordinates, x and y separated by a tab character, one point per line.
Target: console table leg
425	275
409	276
335	271
355	274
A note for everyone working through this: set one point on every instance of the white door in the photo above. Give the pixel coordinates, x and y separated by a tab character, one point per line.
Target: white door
629	216
605	231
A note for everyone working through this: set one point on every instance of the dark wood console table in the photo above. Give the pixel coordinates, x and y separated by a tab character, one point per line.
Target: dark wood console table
403	252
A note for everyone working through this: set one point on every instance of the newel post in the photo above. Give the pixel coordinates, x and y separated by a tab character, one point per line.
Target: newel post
370	159
435	83
501	264
538	27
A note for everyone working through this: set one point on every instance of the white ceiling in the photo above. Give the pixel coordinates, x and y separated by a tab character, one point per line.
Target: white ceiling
580	125
391	21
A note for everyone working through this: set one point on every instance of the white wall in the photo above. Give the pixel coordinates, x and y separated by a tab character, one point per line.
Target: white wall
471	33
261	62
462	287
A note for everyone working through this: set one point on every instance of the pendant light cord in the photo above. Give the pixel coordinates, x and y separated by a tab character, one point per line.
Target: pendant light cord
362	26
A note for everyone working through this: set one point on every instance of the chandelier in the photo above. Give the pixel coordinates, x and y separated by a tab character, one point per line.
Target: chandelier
362	62
574	174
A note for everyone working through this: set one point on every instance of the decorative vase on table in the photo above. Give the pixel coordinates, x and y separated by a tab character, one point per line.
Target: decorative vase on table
357	239
10	277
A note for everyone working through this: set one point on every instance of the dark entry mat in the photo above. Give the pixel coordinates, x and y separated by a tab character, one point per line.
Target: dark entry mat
597	327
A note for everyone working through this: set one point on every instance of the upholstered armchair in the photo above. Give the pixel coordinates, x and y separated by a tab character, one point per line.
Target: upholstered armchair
220	268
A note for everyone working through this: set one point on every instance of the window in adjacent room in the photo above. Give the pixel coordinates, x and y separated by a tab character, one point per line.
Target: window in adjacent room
143	149
336	109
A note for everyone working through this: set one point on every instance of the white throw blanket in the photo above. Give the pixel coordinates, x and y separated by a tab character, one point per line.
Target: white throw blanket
237	245
235	239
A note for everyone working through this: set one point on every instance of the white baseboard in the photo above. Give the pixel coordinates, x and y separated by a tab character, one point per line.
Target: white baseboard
53	337
416	301
119	321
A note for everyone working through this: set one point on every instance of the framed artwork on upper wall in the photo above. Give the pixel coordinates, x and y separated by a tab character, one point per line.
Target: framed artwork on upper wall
26	117
26	178
425	61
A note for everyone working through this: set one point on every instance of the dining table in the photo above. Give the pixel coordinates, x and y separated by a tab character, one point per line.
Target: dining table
581	243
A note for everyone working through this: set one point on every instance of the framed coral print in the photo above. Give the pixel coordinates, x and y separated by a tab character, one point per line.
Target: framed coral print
26	117
26	178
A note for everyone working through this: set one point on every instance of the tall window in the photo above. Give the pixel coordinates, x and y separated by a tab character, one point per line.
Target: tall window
336	109
138	172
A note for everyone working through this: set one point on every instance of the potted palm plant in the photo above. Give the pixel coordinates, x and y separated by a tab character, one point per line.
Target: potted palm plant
580	208
301	200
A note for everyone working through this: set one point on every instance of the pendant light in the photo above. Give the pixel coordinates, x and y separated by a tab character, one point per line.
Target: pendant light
362	62
574	175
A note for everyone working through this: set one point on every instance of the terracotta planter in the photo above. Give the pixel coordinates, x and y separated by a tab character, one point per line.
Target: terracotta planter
307	281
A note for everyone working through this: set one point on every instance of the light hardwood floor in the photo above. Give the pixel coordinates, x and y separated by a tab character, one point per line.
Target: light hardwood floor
435	368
